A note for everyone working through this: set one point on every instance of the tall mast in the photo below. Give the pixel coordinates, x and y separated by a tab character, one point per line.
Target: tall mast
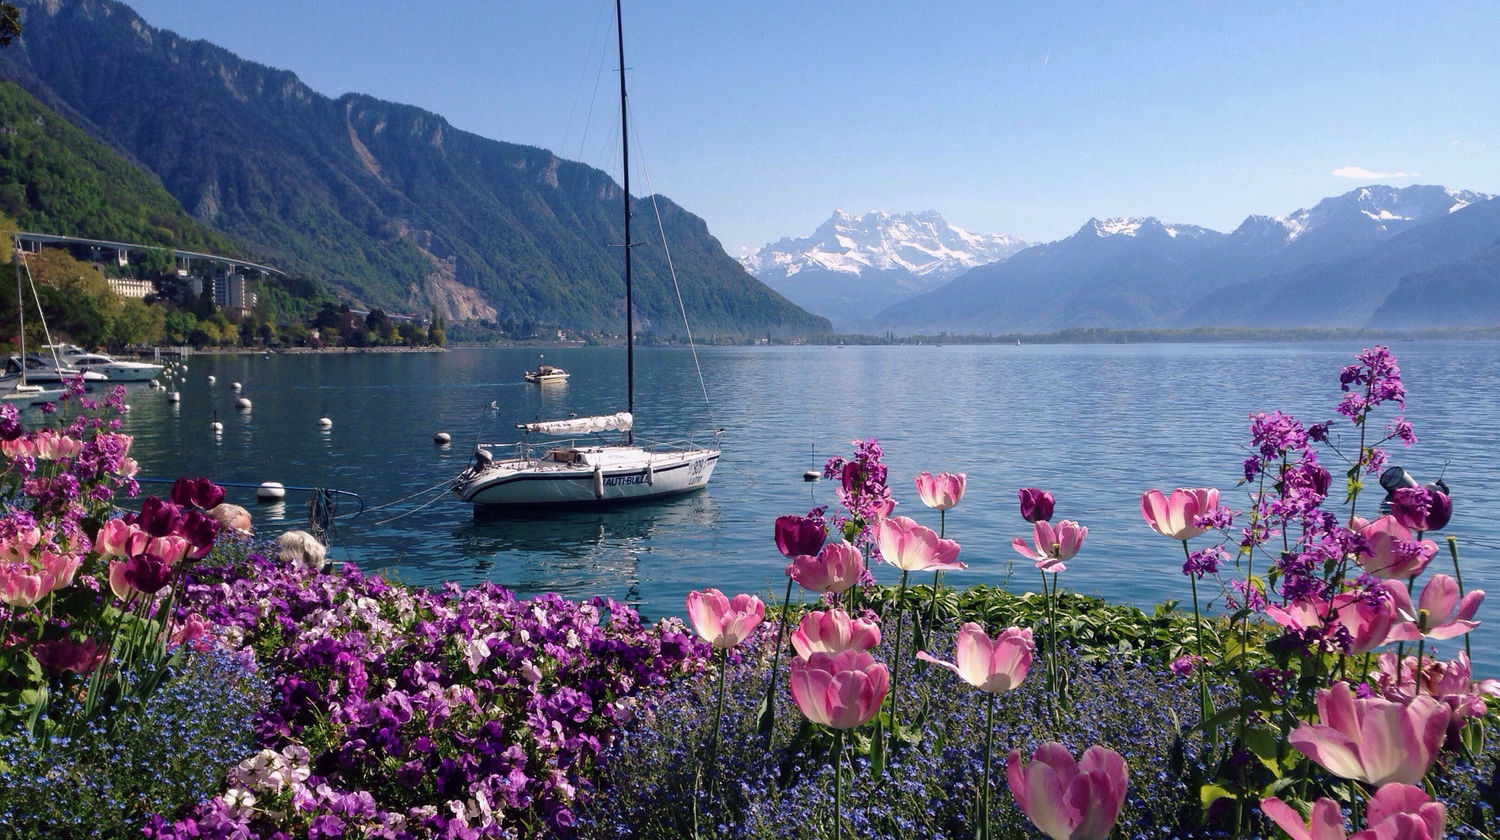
625	156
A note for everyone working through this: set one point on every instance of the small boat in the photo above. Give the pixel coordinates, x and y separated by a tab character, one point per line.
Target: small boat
546	373
587	468
115	370
16	392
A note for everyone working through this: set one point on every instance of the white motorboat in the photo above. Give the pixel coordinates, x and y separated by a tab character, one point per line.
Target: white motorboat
546	373
40	370
587	469
115	370
24	394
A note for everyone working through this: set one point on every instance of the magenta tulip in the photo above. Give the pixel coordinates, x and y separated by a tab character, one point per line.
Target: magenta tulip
1439	614
1394	554
1422	508
1053	546
836	568
722	622
1371	739
1069	800
1175	516
797	536
196	492
991	665
914	548
839	690
1368	620
833	631
941	491
1037	504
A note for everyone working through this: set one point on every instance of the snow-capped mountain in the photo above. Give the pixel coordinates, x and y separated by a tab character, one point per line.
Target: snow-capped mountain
921	244
1376	209
852	266
1343	262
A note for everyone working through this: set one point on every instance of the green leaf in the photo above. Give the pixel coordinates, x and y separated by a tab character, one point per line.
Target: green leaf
1209	794
877	750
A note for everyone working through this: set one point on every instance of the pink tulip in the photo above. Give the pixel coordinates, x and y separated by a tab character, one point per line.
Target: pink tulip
1053	545
914	548
1068	800
991	665
834	631
1174	516
835	569
839	690
721	622
21	585
1394	554
19	448
170	548
1395	812
19	546
61	568
1371	739
118	538
1367	619
1439	613
1452	683
941	491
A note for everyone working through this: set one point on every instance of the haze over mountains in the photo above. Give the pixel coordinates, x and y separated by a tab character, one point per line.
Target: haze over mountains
1377	256
387	204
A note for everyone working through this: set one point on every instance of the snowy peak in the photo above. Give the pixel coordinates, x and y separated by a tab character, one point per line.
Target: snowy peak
1139	227
1380	207
920	244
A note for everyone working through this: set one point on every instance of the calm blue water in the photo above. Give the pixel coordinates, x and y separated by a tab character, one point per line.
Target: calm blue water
1096	425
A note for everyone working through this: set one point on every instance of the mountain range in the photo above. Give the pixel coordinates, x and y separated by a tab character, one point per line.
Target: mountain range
1377	256
386	204
852	266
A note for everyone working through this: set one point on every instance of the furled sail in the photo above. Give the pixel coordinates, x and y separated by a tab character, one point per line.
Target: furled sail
620	422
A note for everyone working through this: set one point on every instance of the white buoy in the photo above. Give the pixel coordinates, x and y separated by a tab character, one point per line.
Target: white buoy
174	397
125	408
216	426
212	379
811	475
442	438
236	386
325	423
243	403
270	491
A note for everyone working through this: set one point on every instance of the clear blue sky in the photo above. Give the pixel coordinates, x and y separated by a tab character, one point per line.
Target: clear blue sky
1019	118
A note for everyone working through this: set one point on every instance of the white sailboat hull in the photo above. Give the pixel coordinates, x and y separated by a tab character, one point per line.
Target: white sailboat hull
602	474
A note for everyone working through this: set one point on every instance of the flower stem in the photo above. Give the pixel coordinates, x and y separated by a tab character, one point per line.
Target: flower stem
989	748
713	750
1198	634
838	784
896	657
768	719
1458	576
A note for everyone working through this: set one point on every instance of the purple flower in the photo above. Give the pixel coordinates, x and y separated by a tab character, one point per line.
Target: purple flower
1037	505
147	573
196	492
1422	508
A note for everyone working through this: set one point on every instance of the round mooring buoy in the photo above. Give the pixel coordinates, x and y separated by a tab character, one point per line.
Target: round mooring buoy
174	397
442	438
325	423
212	379
243	403
236	386
216	426
270	491
811	475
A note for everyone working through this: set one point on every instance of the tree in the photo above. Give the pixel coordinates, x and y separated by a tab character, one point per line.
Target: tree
178	325
437	334
138	324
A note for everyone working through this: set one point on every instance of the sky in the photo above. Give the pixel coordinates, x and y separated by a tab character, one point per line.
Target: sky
1022	118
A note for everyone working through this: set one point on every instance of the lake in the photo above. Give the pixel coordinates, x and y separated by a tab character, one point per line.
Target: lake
1095	424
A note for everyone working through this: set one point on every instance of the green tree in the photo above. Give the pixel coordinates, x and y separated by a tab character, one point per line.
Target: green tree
138	324
178	325
437	333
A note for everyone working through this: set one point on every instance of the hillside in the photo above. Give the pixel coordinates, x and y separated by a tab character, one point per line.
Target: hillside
386	203
54	178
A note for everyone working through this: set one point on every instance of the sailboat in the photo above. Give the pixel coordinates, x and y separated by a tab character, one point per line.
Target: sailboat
14	388
577	466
